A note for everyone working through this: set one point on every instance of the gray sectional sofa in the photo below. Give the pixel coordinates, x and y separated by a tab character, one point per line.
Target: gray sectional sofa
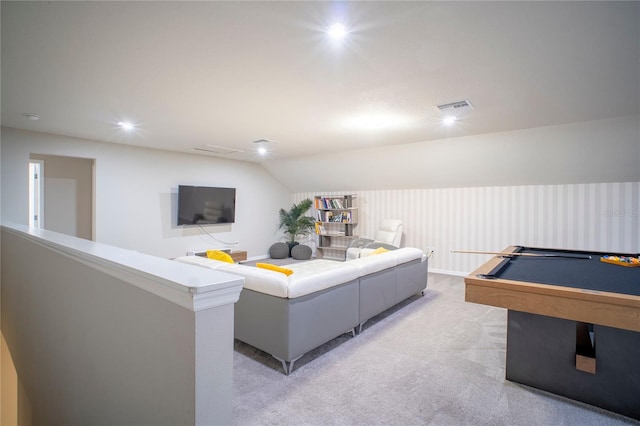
287	316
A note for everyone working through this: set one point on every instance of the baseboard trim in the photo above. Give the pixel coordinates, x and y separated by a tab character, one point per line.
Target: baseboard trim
448	272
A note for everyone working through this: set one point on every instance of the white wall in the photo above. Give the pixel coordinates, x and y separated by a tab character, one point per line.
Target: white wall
588	152
104	336
575	186
595	216
572	186
136	196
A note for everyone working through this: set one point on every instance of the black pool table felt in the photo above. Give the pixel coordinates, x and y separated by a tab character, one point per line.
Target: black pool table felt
585	274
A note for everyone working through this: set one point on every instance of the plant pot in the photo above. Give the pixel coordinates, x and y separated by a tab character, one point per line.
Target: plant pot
291	245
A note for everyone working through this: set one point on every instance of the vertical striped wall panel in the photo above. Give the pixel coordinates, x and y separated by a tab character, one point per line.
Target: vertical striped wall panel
597	216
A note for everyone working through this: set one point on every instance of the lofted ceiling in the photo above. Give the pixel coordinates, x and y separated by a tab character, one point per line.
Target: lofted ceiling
192	74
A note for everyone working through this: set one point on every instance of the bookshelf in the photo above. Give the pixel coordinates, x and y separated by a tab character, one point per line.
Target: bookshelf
336	218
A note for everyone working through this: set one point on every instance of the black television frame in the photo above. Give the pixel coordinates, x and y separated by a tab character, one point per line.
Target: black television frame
193	209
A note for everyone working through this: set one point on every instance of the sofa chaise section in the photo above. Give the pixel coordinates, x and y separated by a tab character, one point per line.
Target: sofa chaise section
289	328
321	304
287	316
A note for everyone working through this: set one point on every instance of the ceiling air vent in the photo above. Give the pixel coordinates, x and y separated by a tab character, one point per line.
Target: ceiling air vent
218	150
455	106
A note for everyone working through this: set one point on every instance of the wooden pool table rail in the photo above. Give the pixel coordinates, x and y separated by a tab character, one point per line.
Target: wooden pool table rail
596	307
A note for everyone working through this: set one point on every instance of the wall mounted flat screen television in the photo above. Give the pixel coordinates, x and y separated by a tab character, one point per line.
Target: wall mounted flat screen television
204	205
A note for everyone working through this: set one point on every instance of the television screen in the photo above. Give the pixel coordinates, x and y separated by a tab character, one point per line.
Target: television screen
202	205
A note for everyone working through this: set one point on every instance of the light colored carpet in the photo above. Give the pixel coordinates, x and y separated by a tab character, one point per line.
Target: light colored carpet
436	361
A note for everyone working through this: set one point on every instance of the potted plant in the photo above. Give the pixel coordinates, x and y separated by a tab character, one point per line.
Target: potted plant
295	223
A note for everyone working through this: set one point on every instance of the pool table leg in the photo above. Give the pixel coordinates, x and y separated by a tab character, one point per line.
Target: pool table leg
541	352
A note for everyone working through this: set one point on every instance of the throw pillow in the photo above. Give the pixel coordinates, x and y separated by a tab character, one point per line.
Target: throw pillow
379	250
219	255
276	268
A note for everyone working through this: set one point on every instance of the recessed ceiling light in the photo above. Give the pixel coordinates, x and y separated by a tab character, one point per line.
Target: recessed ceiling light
449	120
262	146
31	116
337	31
126	125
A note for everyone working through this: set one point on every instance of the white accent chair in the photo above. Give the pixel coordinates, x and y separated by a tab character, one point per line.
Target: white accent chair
388	236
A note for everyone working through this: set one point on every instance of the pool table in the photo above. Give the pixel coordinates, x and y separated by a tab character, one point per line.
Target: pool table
573	323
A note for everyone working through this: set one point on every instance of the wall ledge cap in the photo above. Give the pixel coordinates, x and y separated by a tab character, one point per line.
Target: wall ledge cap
189	286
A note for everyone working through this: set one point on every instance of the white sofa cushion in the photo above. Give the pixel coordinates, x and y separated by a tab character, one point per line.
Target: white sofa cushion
390	232
257	279
375	263
262	280
316	275
308	277
407	254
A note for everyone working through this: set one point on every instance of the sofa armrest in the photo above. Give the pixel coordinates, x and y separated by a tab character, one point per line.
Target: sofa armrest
360	242
356	245
377	244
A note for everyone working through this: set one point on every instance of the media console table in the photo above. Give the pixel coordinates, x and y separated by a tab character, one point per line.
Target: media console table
238	255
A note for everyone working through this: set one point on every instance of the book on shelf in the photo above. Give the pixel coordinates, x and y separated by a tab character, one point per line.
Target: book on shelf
329	203
337	217
319	203
320	229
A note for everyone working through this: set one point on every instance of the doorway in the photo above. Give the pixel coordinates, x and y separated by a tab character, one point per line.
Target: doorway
36	193
61	195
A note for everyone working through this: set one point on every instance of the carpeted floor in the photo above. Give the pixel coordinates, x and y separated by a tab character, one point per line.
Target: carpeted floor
435	361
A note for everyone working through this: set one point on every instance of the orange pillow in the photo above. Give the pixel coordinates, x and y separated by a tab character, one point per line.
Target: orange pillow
219	255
